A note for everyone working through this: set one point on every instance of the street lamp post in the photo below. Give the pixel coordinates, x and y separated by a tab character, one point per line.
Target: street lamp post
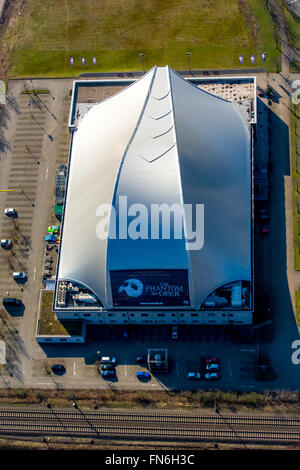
27	197
189	60
32	87
30	153
142	59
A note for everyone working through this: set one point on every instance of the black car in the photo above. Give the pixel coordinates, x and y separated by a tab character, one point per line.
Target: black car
58	368
108	367
141	359
12	301
108	373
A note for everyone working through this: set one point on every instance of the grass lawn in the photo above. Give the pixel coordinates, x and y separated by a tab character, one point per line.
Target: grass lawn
293	27
295	67
42	39
295	140
298	307
49	325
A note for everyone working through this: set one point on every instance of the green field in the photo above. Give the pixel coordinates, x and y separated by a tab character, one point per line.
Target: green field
48	323
293	27
295	140
293	30
298	307
42	39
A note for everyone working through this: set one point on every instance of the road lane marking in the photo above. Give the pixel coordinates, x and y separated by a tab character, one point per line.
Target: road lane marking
34	273
74	371
44	383
47	173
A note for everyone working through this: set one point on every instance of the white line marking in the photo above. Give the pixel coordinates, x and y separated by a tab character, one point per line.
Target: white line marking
47	173
125	370
34	273
74	371
44	383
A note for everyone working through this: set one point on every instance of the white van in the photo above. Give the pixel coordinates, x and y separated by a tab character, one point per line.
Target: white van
108	360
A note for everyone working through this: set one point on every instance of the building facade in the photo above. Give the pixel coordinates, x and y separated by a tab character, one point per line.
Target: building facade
158	214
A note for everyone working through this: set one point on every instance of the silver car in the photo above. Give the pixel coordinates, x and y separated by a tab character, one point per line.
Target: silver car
19	276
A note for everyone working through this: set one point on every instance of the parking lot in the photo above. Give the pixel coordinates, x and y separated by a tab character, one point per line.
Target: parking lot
236	355
35	140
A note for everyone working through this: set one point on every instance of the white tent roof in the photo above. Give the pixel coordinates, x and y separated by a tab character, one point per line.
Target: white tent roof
160	140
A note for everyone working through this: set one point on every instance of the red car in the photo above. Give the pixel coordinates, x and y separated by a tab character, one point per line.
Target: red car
211	360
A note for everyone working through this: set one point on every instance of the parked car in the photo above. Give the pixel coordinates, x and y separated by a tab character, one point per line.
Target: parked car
174	332
211	360
58	368
193	375
108	360
11	301
10	212
108	367
212	366
6	244
211	376
142	359
264	214
54	229
108	373
143	374
19	276
51	238
125	334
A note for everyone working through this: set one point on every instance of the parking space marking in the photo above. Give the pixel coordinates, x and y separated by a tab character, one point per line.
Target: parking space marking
47	173
44	383
34	273
74	371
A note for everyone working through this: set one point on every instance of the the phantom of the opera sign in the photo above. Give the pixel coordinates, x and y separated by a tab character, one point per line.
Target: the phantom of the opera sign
147	287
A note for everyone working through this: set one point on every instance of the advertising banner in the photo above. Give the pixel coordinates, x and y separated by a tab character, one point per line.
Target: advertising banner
165	288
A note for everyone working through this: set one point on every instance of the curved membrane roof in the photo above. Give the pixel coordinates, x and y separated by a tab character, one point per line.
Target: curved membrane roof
161	140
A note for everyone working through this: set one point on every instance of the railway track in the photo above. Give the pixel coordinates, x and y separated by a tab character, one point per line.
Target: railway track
145	425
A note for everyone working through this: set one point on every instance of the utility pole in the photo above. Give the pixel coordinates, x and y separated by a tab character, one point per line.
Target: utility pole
189	59
142	59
